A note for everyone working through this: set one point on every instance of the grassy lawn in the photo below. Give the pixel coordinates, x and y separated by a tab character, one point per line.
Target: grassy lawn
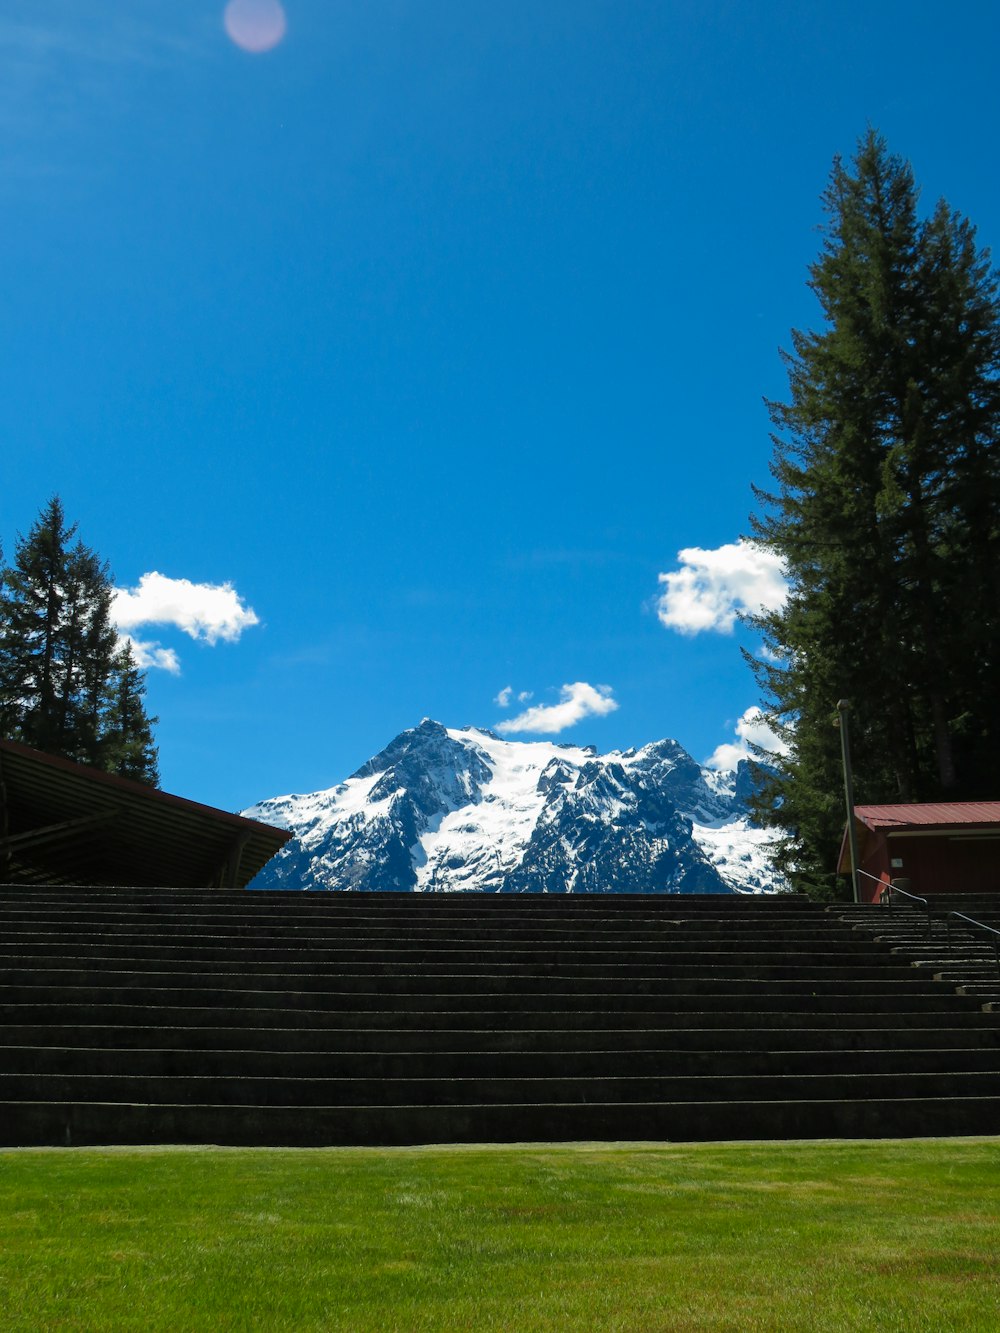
886	1235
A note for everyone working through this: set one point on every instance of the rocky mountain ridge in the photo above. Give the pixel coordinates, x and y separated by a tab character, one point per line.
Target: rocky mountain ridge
442	809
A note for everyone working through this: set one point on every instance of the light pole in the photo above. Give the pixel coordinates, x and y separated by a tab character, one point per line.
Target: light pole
844	723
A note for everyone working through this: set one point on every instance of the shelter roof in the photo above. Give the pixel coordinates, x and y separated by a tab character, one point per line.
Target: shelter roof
64	823
931	814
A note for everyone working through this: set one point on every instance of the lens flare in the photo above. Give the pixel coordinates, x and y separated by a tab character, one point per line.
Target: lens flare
255	25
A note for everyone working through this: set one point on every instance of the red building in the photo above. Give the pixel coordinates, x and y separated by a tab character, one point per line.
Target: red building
950	847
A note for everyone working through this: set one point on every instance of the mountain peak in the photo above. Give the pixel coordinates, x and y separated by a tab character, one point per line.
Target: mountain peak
444	808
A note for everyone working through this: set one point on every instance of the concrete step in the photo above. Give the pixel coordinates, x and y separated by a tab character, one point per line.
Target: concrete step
31	939
388	901
328	921
219	1090
962	1012
593	1063
205	949
333	1042
872	958
893	997
68	1123
959	959
559	923
325	934
330	934
489	980
440	906
262	962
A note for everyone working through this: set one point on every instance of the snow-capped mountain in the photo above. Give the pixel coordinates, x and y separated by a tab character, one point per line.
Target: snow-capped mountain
442	809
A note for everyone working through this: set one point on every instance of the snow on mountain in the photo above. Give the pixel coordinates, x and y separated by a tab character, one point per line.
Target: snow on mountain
444	809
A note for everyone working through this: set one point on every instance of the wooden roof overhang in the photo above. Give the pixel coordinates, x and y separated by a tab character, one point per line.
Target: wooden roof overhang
955	820
64	823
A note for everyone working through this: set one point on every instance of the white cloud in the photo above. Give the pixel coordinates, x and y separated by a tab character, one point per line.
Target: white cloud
148	653
206	611
525	695
713	586
751	729
576	702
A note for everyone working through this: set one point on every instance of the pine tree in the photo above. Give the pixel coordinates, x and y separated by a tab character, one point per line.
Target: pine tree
66	687
886	511
32	630
129	749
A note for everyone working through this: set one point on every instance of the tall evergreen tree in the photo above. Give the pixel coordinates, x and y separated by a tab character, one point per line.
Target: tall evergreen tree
32	629
66	687
129	749
886	511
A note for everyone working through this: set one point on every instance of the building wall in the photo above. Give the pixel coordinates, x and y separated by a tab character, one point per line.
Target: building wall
944	864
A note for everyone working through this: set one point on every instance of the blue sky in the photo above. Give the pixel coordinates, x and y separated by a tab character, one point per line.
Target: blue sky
436	331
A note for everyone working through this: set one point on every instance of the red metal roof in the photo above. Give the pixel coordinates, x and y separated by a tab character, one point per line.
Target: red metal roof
931	814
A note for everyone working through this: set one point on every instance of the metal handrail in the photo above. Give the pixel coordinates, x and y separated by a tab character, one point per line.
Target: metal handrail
982	926
890	890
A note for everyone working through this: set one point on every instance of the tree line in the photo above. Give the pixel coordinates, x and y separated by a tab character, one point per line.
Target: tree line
885	508
68	684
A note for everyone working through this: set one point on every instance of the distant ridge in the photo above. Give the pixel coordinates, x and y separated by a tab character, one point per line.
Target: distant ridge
443	809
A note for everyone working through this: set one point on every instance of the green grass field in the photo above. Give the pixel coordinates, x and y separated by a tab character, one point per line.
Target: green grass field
830	1235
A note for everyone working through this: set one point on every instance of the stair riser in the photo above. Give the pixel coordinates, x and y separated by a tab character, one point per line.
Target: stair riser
442	983
562	911
552	1043
262	963
463	1017
594	1064
74	1124
465	998
388	901
854	954
146	934
310	1092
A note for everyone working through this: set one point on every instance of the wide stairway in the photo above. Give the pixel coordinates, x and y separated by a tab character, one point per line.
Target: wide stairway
171	1016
